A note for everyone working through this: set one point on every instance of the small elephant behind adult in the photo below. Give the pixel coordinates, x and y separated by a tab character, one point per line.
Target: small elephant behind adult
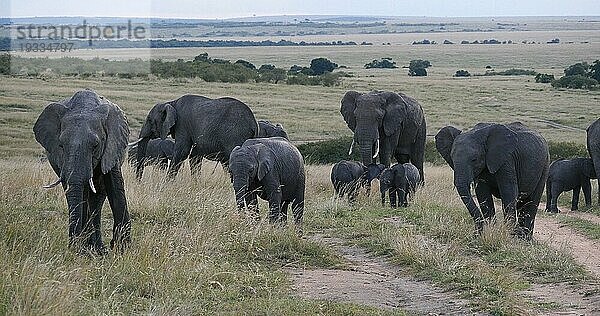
272	169
348	177
268	129
158	152
566	175
400	180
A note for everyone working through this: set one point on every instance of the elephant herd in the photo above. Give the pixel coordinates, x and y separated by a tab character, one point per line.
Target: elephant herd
86	138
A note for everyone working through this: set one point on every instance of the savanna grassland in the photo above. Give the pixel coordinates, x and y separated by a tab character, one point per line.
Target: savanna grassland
193	253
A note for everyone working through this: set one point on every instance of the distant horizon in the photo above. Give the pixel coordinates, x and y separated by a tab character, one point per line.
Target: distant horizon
292	15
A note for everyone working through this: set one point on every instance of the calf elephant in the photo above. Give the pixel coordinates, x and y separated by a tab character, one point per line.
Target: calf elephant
593	146
386	124
348	177
566	175
268	129
158	152
85	138
509	162
272	169
209	128
399	181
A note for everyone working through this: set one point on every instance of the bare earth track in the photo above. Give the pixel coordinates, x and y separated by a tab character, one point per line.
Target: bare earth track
369	280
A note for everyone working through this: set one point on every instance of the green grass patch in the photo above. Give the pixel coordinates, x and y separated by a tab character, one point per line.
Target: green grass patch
583	226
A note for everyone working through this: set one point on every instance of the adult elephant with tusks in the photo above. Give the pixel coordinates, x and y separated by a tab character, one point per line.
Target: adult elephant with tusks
85	138
593	146
272	169
509	162
209	128
386	124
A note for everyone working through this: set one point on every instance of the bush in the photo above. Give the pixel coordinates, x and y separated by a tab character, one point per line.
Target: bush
320	66
246	64
566	150
418	67
272	75
544	78
577	69
295	70
4	64
383	63
328	79
462	73
595	70
575	82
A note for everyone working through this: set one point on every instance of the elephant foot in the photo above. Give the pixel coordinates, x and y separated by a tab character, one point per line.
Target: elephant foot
554	210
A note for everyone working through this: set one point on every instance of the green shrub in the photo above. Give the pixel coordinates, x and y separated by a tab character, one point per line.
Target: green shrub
575	82
327	79
577	69
566	150
246	64
296	70
271	75
462	73
321	65
544	78
418	67
383	63
595	70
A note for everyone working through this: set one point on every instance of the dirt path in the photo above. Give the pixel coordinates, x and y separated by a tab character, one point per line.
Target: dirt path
573	300
371	281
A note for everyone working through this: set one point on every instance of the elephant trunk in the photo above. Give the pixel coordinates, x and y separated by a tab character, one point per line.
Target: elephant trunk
240	186
368	141
462	182
77	179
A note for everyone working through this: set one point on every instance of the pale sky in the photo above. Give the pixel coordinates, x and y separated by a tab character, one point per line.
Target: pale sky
239	8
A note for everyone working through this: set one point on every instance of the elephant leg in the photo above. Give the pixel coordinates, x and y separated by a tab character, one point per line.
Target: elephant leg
181	152
275	207
548	195
526	211
284	212
401	198
392	197
555	192
382	197
298	210
115	191
575	200
486	201
586	186
508	193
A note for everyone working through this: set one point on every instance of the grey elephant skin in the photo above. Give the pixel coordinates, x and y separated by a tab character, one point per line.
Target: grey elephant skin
509	162
209	128
272	169
386	124
401	181
348	177
158	152
85	138
566	175
593	146
267	129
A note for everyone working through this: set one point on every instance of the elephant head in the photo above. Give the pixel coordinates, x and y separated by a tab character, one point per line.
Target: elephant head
485	147
372	172
377	115
444	140
268	129
80	135
159	124
248	164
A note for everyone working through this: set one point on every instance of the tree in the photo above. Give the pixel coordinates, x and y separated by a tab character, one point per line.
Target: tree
418	67
4	64
264	68
575	82
577	69
544	78
202	58
383	63
272	75
321	65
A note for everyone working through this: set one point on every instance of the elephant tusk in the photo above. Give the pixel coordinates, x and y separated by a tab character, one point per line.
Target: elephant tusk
53	184
376	149
351	148
92	185
135	143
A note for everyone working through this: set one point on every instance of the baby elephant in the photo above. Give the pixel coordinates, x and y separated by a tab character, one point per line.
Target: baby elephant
400	180
567	175
348	177
272	169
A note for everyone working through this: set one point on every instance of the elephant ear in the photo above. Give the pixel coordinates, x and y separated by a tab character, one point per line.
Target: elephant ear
501	143
348	107
265	162
117	134
170	118
444	140
47	131
402	113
